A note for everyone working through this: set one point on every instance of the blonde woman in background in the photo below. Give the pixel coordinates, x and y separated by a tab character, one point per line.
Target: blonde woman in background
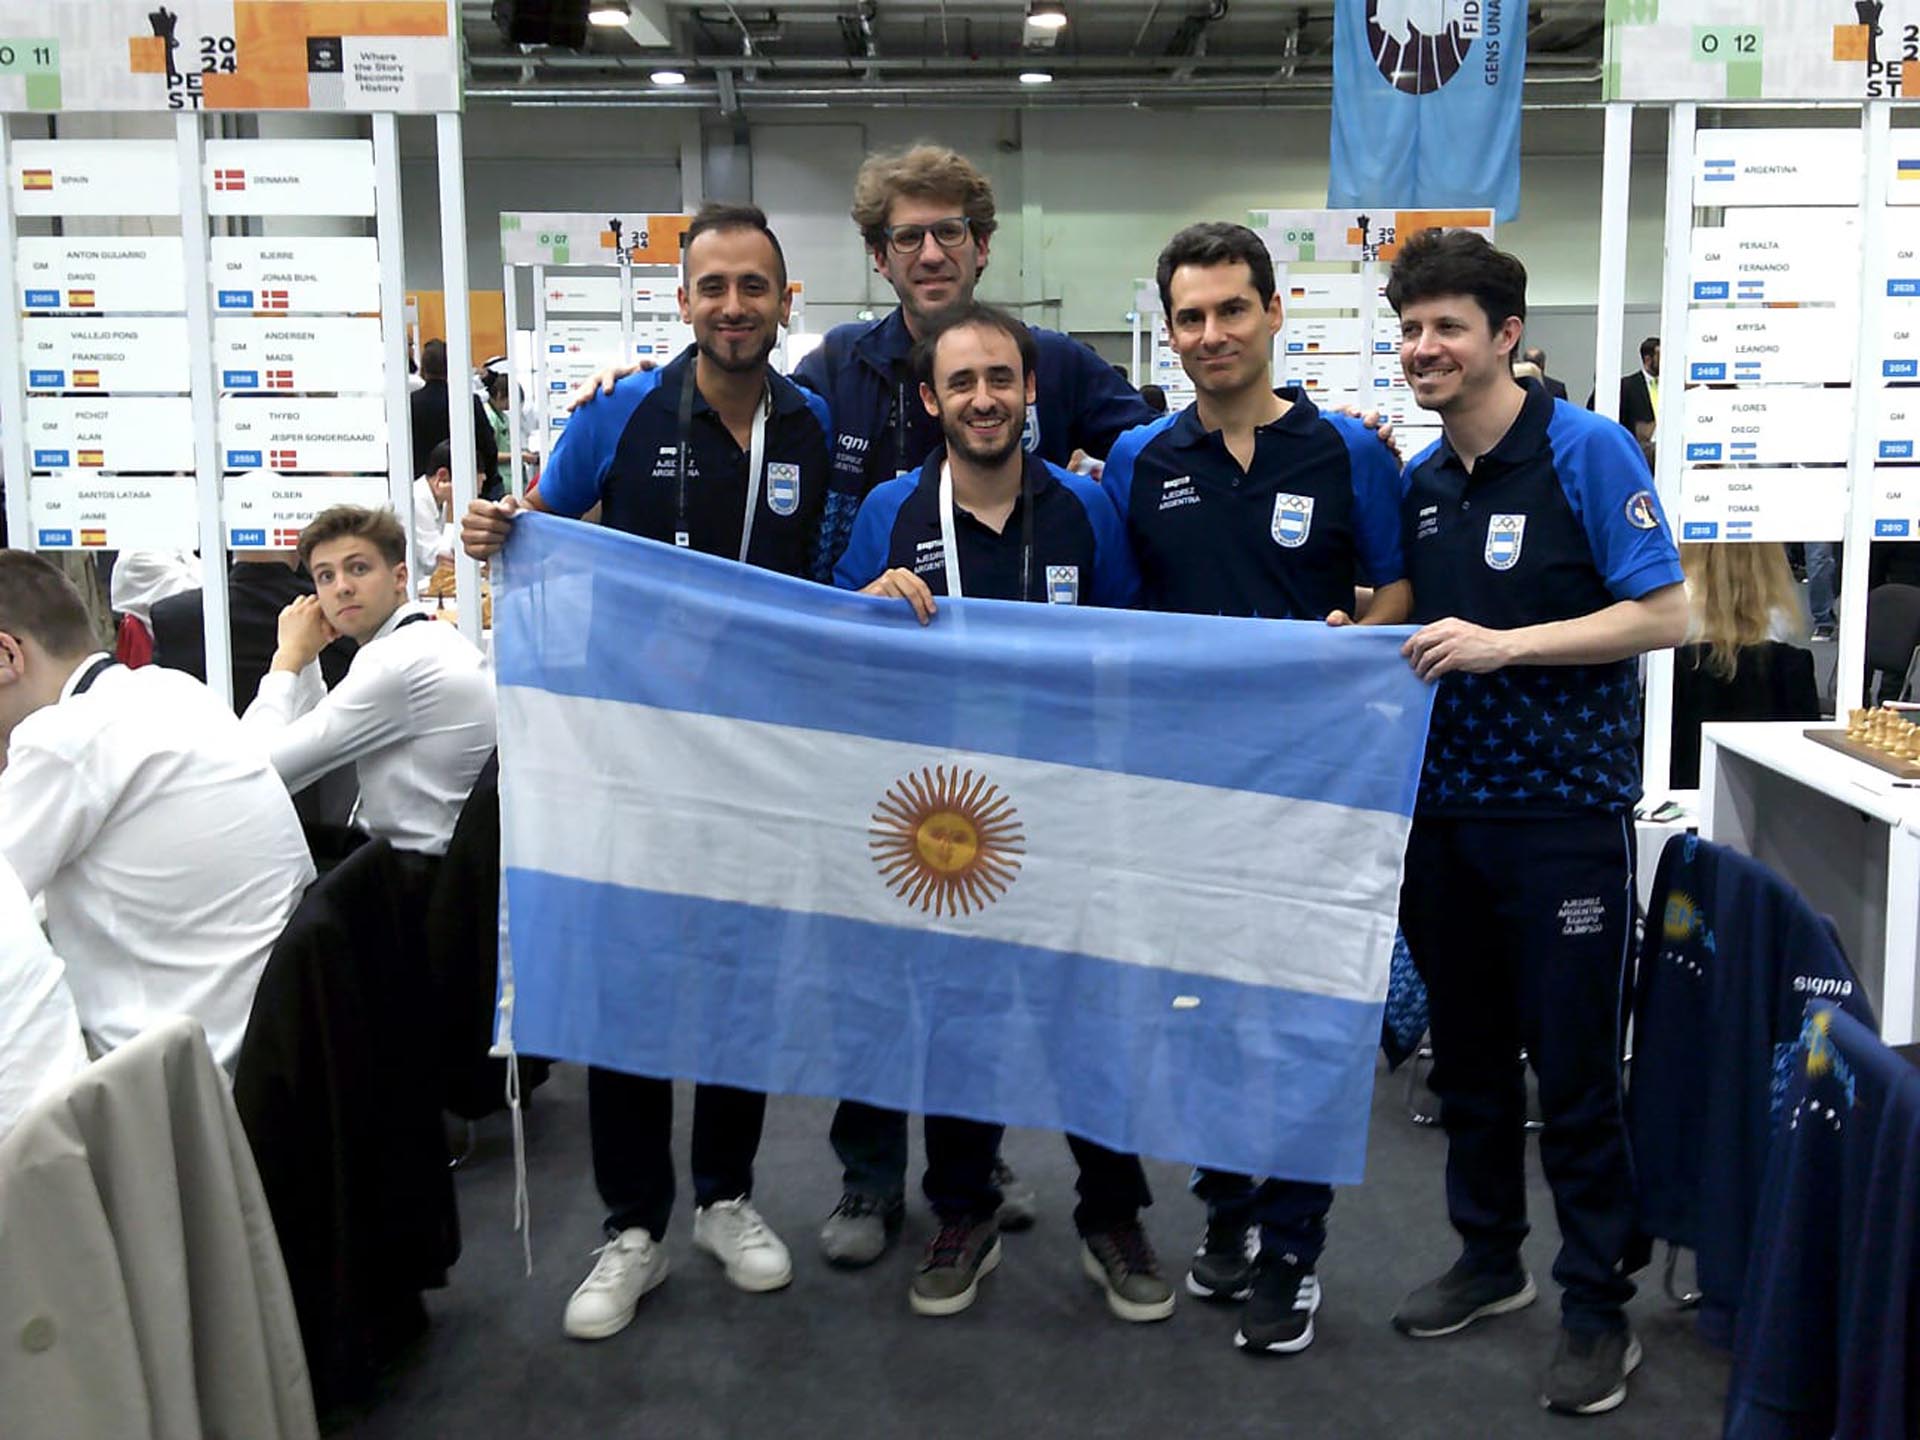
1739	596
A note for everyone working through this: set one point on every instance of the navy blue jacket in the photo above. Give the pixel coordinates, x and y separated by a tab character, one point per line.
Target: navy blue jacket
1732	955
1829	1340
1557	521
882	429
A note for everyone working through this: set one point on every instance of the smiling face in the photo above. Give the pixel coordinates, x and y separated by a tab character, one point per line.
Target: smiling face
981	393
931	279
733	297
358	589
1220	329
1452	355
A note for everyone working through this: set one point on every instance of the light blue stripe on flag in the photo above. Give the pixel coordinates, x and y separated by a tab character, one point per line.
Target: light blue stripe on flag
1125	874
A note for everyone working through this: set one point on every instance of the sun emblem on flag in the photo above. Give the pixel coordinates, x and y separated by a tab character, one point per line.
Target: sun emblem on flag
947	840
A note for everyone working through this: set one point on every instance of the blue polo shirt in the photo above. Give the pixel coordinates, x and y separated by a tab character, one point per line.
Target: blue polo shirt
1287	539
622	453
1079	551
1557	521
882	429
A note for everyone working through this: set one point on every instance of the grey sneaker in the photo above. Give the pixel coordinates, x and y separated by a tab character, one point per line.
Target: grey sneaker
1588	1375
1460	1297
957	1257
1222	1268
1122	1262
1018	1202
861	1229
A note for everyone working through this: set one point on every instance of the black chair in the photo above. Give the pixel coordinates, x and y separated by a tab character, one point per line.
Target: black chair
1893	633
1774	681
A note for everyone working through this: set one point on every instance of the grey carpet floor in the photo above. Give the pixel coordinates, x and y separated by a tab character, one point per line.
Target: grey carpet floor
840	1354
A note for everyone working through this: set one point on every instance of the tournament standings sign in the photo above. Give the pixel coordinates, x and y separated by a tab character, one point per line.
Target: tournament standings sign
1426	104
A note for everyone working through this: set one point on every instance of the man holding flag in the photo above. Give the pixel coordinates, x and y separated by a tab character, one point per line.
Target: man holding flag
981	518
1253	502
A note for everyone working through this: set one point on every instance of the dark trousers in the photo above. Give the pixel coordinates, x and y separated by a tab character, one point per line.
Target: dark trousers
959	1181
1520	929
872	1146
1291	1214
630	1118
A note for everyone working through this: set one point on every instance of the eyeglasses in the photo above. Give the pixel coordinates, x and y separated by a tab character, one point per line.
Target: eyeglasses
950	234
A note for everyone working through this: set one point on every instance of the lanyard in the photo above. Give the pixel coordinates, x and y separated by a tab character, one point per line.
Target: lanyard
949	541
756	458
418	617
94	672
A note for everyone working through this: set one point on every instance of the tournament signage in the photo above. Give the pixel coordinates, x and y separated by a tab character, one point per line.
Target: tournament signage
95	177
1327	379
1314	334
267	511
1777	167
1770	256
1753	344
58	273
1750	502
145	434
309	434
1787	425
550	238
91	512
1355	235
332	353
289	177
339	273
1662	50
120	353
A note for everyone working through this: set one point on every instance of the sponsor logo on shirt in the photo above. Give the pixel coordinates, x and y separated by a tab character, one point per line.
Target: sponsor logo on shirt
1177	492
929	557
1292	520
1063	584
783	488
1504	536
1427	522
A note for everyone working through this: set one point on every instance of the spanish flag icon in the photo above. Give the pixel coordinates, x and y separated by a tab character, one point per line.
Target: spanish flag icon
93	537
36	179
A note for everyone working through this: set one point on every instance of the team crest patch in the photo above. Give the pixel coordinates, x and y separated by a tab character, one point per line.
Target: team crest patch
783	488
1292	519
1504	534
1640	512
1030	432
1063	584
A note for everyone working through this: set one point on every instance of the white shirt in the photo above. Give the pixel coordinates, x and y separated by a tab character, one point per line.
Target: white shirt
415	715
166	847
435	541
40	1044
143	578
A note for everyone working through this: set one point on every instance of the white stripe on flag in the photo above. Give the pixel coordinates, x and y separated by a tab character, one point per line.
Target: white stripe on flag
1198	879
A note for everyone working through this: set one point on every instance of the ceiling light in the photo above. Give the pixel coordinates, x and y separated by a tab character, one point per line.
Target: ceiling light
1036	77
668	77
1047	14
610	13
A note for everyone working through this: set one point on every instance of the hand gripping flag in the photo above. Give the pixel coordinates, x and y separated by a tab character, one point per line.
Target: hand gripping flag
1426	104
1129	875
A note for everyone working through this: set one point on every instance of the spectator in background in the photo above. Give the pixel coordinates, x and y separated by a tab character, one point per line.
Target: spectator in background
165	846
429	407
1155	397
1640	395
143	578
1537	358
436	535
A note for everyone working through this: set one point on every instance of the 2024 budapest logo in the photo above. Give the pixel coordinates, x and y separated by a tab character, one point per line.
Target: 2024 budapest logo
1421	45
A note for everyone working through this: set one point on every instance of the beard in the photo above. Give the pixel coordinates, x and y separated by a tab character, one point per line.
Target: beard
961	439
742	362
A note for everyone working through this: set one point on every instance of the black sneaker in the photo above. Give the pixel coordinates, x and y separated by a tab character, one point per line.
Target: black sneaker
1589	1372
1278	1319
957	1257
1222	1268
1122	1262
1460	1297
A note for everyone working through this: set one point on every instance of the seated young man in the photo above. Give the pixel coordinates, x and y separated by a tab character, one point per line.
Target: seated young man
415	714
436	535
166	848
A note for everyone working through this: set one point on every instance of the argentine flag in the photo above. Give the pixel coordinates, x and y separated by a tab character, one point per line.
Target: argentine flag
1129	875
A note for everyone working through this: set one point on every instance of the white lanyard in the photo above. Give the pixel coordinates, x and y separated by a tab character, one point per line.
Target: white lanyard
756	466
949	545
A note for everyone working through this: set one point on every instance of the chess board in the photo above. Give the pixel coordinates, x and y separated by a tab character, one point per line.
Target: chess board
1836	738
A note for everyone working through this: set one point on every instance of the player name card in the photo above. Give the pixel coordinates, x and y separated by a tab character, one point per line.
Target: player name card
1786	425
575	294
1327	379
1393	398
1308	334
1777	167
1903	169
332	353
1903	255
106	353
339	273
88	512
264	510
1896	502
95	177
130	434
56	273
1897	435
289	177
660	340
346	434
1798	256
1899	343
1753	345
1318	291
1750	502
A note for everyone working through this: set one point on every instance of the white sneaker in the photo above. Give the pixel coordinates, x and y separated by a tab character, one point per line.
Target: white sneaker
734	1234
629	1266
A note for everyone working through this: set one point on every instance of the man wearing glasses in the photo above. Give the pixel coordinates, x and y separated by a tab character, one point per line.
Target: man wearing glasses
926	217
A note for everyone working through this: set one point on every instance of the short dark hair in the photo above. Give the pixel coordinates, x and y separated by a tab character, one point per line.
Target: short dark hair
719	215
1155	397
37	600
343	522
1536	355
439	458
1215	242
984	317
497	383
1459	262
1649	345
433	360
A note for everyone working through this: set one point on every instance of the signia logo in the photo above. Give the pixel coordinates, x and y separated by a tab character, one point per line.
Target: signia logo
946	840
1419	45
